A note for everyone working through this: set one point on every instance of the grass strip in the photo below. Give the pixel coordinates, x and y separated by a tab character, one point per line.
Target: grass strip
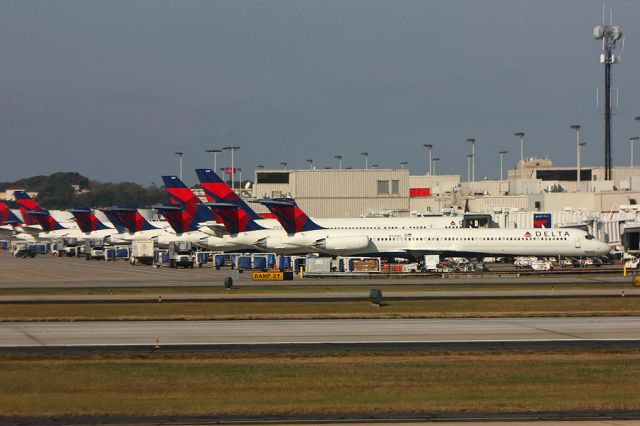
298	384
456	308
244	288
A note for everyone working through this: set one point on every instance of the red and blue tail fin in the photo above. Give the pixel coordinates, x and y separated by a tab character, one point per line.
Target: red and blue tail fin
234	218
26	203
179	219
290	216
131	219
115	220
24	200
7	217
45	220
180	194
87	220
218	191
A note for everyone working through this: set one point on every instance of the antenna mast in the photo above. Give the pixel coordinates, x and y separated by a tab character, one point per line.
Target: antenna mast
609	34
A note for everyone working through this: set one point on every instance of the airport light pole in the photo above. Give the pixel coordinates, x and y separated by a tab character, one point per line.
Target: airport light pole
284	165
223	170
576	127
366	159
215	157
631	141
233	171
339	158
472	141
521	136
433	165
403	163
469	156
310	161
502	153
259	167
179	154
375	166
429	148
580	145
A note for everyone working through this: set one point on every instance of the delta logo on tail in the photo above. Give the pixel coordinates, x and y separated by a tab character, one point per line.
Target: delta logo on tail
131	219
290	216
87	220
216	190
7	217
179	219
181	195
45	220
234	218
115	220
26	203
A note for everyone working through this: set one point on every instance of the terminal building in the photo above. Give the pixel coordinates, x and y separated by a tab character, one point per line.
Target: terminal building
535	193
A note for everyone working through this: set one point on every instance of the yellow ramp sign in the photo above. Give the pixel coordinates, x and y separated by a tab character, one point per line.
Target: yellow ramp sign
272	276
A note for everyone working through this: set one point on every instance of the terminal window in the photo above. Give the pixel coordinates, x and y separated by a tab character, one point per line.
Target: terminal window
395	186
273	177
383	187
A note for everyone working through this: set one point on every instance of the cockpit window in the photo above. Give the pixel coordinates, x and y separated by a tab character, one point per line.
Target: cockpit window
589	237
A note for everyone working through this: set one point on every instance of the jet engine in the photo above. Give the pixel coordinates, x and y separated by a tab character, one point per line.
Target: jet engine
355	242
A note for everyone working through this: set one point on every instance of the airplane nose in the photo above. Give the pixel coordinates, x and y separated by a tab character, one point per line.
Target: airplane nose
603	248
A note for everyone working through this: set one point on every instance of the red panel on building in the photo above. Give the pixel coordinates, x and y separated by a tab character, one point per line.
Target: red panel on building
419	192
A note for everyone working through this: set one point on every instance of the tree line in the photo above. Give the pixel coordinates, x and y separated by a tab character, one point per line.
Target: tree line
56	192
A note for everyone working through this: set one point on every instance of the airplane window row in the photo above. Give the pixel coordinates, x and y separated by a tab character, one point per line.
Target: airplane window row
391	227
470	239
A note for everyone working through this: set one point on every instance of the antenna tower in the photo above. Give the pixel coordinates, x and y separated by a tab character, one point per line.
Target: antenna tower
609	34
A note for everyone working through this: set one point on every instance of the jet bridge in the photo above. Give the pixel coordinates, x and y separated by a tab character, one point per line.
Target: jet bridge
478	220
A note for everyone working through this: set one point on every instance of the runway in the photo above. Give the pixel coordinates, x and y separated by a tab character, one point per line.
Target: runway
274	333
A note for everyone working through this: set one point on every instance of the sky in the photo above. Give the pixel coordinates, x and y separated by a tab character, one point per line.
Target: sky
113	88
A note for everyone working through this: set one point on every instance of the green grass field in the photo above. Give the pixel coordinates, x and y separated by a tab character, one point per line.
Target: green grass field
323	309
308	383
364	286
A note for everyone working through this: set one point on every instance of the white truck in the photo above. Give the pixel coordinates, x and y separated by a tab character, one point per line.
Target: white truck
94	249
431	262
181	254
141	252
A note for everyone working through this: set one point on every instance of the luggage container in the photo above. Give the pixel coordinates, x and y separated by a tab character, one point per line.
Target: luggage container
72	251
318	265
161	258
364	264
123	252
4	244
202	258
285	263
264	261
110	254
260	262
299	263
219	261
244	262
233	257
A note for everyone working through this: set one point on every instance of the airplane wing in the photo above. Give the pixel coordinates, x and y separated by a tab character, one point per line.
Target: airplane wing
31	230
214	229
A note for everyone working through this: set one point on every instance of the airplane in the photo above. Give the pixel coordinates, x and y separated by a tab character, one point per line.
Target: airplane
33	215
11	225
413	243
216	190
92	227
180	194
248	233
186	228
